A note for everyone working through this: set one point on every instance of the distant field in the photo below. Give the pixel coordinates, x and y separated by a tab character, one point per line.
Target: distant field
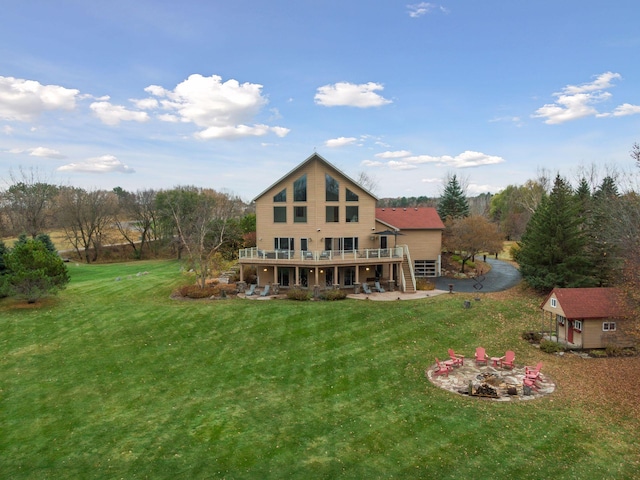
113	379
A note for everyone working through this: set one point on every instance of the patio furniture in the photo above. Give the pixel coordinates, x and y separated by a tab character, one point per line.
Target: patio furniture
378	287
366	289
508	359
481	356
251	291
442	368
265	291
533	373
529	383
456	358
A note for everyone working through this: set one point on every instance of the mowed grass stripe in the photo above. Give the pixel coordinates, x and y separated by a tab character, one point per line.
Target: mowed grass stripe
114	378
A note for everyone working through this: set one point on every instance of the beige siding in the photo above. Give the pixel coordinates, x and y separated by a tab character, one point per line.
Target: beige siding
316	228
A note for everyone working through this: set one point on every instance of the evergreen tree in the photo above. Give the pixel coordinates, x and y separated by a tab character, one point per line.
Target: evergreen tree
603	253
552	250
33	271
453	203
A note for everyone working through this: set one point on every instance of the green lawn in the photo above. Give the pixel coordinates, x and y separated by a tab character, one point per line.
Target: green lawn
113	379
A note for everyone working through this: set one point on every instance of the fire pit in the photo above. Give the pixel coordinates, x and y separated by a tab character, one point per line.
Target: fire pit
489	382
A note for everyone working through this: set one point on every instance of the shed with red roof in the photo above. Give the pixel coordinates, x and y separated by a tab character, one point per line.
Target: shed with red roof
586	317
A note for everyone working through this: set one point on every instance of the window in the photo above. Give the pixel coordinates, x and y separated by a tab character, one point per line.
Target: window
577	325
351	215
561	320
554	303
332	188
351	197
304	244
300	214
300	189
333	214
280	214
349	243
280	197
283	243
608	326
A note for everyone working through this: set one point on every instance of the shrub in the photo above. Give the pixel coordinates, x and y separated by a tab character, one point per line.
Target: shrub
194	291
424	284
598	353
298	294
551	347
334	295
612	350
532	337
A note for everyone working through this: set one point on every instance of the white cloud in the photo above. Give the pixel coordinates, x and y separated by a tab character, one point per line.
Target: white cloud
340	142
371	163
396	165
45	152
578	101
24	100
103	164
396	154
238	131
431	180
145	103
350	95
114	114
417	10
222	109
466	159
626	109
7	129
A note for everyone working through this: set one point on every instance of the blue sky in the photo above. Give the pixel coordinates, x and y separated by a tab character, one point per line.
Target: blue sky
231	95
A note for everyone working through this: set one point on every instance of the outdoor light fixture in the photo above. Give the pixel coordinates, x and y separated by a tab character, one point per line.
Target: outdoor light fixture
265	269
321	271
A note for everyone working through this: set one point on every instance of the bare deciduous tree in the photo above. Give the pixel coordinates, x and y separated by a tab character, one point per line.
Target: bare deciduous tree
29	202
86	216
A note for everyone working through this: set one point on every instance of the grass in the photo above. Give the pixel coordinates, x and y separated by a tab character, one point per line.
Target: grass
113	379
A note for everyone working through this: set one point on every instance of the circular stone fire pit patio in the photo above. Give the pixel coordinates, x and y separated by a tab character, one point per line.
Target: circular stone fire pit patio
494	383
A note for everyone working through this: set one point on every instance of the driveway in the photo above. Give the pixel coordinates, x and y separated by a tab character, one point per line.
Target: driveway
502	276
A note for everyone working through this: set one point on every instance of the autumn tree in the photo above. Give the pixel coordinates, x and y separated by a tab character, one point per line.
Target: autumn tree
201	220
136	219
470	236
86	217
29	202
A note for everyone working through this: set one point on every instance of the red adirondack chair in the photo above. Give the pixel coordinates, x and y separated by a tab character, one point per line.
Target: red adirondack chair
533	373
481	356
442	368
456	358
508	359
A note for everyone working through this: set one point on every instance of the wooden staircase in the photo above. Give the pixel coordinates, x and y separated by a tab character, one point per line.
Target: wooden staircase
406	271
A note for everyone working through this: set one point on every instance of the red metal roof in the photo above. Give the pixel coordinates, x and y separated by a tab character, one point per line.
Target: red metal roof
589	302
411	218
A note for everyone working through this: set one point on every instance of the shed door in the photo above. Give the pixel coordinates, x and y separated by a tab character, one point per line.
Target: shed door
570	331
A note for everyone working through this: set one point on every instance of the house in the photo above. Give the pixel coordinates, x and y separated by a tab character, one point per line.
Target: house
318	228
586	317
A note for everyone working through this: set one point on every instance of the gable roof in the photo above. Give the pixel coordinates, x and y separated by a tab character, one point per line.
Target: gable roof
314	157
600	302
414	218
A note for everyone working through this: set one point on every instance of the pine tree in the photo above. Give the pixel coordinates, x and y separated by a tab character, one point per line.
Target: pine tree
453	203
552	250
33	271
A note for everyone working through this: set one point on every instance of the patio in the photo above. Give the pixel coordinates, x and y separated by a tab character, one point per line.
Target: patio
506	383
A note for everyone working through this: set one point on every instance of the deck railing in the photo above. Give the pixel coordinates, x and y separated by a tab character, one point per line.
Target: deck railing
321	255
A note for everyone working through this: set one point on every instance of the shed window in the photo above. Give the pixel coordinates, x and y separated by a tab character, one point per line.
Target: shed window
577	325
608	326
554	303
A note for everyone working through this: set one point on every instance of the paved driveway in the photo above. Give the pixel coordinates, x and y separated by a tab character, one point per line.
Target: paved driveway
502	276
